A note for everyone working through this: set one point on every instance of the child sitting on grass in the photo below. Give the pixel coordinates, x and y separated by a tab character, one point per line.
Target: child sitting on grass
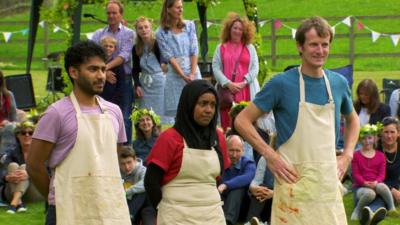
133	172
369	168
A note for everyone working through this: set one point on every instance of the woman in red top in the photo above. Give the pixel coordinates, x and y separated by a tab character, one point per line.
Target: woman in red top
8	110
186	160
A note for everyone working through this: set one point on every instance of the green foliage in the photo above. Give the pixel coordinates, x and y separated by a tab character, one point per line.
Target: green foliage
262	62
207	3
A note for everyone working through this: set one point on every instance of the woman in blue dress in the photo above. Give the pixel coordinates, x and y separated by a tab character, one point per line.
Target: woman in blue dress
178	44
147	62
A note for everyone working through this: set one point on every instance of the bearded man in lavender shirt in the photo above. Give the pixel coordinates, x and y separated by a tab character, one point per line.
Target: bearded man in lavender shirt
122	56
77	138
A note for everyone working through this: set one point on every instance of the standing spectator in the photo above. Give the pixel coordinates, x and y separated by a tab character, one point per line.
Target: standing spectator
236	179
307	102
235	62
147	130
122	56
16	178
368	105
112	92
394	103
178	44
133	172
186	160
369	170
147	61
8	109
78	138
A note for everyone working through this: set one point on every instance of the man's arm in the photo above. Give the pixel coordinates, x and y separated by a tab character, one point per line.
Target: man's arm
38	154
244	125
350	140
119	60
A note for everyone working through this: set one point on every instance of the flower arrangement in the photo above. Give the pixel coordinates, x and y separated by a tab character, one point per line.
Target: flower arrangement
369	129
237	108
137	114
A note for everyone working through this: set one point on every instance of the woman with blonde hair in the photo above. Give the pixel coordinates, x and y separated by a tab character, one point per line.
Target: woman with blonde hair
178	44
235	62
147	62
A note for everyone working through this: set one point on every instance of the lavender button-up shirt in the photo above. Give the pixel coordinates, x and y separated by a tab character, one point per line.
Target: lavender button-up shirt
125	38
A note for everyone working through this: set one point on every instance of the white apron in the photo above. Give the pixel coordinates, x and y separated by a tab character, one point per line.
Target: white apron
88	188
192	197
315	199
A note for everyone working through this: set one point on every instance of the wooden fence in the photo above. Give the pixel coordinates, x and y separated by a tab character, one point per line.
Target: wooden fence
273	55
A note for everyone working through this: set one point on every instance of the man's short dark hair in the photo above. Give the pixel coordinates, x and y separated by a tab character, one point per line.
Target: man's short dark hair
80	53
120	5
320	25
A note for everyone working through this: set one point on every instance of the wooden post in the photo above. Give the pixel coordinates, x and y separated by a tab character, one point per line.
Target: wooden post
351	41
273	42
46	43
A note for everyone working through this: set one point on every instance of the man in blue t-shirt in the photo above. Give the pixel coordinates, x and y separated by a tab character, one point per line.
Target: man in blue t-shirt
307	102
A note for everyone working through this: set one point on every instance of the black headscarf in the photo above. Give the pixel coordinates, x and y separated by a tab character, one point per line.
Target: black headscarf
197	136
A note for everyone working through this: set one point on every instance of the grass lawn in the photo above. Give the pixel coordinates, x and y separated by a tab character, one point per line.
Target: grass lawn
35	215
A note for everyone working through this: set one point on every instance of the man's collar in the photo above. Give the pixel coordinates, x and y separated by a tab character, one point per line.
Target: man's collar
238	164
119	27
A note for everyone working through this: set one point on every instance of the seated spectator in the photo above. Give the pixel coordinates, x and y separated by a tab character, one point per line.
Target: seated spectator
390	146
249	152
369	169
261	192
236	179
133	172
146	124
368	105
16	180
394	103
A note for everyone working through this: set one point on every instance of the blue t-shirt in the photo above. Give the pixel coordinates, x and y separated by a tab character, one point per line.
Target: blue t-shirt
282	95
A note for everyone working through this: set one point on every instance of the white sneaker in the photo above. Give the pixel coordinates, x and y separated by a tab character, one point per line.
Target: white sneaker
355	216
254	221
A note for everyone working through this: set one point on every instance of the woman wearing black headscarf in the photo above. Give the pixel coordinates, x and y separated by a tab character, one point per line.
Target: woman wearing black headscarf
186	160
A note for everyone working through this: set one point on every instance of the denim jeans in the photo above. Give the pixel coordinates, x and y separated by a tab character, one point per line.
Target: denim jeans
51	215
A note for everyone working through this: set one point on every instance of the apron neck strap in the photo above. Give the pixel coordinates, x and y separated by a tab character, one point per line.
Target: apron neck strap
78	109
302	86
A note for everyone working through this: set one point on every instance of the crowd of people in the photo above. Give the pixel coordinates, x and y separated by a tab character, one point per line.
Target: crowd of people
219	163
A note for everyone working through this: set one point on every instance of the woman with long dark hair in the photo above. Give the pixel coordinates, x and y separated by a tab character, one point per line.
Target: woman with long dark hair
368	105
186	160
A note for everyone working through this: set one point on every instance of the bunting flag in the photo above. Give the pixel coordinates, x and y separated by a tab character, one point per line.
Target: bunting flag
395	39
360	26
89	35
209	24
7	36
56	29
24	31
375	36
294	33
42	23
262	23
347	21
277	24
